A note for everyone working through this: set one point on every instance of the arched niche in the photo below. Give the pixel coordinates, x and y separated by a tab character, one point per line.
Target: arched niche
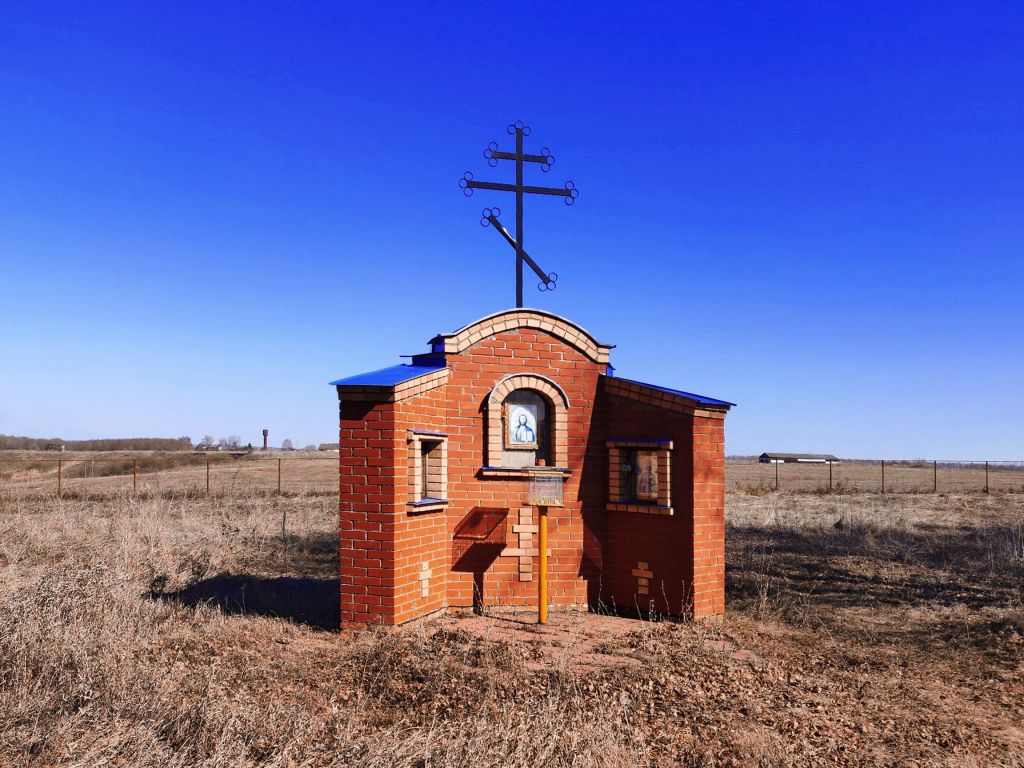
510	399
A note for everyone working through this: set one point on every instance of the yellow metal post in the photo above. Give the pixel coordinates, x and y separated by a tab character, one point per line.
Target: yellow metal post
542	586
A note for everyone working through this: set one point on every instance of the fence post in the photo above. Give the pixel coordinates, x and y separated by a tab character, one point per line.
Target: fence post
883	475
135	476
278	477
207	474
830	475
935	477
60	468
986	477
776	475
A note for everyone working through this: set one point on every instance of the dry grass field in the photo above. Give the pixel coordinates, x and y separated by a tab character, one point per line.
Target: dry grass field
176	630
871	476
30	473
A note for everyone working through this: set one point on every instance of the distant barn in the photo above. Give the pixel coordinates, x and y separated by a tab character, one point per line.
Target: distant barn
797	458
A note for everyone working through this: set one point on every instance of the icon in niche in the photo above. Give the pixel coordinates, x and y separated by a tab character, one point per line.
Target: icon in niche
521	426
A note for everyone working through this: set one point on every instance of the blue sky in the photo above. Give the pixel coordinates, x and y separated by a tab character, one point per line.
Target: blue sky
210	210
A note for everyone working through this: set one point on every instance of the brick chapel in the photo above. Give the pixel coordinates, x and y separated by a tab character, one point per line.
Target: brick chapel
436	455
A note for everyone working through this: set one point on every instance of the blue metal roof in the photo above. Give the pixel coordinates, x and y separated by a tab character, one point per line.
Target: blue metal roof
387	377
698	398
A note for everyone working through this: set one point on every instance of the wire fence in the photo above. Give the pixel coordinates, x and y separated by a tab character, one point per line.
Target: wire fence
169	473
224	474
877	476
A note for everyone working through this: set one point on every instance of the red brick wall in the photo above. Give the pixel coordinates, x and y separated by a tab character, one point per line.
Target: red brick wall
474	373
421	537
660	541
384	544
367	475
708	516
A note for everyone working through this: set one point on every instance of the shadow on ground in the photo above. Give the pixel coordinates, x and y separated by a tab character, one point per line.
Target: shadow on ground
314	602
868	566
960	582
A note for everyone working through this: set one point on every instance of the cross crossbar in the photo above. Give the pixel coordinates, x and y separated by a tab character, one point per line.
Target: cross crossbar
546	159
548	279
470	184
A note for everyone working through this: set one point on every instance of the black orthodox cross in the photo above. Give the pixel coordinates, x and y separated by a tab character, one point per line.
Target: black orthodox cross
490	215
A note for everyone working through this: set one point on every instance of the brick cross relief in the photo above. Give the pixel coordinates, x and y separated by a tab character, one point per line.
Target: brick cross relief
525	550
424	579
643	578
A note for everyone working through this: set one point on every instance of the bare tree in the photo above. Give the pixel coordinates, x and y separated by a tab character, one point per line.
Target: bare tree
287	445
13	442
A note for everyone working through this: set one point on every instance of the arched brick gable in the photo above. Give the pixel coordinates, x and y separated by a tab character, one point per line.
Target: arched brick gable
559	327
559	414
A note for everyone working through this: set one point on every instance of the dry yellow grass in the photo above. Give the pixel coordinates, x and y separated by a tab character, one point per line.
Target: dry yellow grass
180	631
29	473
109	654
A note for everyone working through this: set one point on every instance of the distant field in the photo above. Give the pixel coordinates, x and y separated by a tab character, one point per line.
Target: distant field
35	473
110	473
867	476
